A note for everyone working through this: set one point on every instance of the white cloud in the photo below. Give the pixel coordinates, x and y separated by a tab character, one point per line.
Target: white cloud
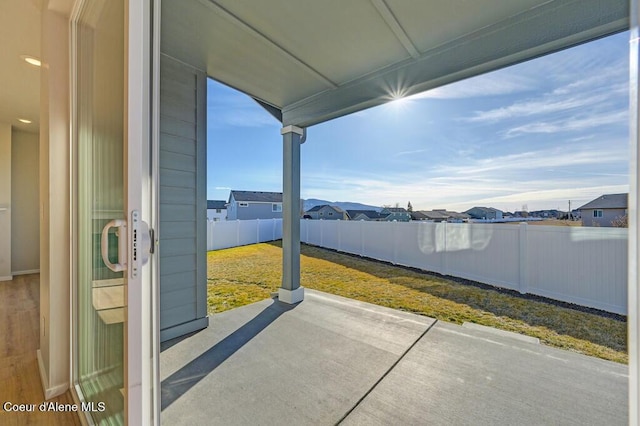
545	178
415	151
546	105
571	124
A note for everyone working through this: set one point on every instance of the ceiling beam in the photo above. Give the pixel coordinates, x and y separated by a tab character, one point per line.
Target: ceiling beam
396	28
224	13
553	26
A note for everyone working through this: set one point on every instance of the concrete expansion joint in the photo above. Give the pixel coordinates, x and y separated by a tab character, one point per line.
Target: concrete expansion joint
386	373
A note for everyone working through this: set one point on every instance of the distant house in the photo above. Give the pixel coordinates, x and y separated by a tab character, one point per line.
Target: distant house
457	217
247	205
418	215
326	212
216	210
365	215
487	213
439	215
604	210
399	214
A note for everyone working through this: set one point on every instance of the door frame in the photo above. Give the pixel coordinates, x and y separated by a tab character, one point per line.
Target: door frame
141	345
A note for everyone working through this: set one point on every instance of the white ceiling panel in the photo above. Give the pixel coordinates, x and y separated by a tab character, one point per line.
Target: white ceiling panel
326	34
430	24
205	37
318	60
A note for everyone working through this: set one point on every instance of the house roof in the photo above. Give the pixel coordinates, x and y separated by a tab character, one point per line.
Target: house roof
418	215
434	214
216	204
483	209
311	61
256	196
319	207
371	214
607	201
457	215
395	209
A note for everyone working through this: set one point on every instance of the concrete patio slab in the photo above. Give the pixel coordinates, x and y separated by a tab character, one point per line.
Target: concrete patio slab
330	359
466	376
270	363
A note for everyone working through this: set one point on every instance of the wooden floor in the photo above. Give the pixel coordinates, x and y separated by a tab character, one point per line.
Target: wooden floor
19	339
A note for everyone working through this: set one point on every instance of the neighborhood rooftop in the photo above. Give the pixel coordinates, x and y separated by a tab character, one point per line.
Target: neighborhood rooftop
256	196
608	201
216	204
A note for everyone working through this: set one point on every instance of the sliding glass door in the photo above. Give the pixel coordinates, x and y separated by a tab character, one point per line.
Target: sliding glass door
113	325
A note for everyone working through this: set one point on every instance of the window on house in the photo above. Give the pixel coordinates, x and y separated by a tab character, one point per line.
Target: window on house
243	204
330	213
276	207
218	210
597	213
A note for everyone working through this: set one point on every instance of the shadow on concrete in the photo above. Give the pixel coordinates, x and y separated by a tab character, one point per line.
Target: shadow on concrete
188	376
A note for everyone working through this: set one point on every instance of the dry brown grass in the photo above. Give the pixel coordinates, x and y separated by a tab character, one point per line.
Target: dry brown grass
243	275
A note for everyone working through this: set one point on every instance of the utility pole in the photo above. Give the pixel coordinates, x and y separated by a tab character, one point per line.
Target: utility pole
569	215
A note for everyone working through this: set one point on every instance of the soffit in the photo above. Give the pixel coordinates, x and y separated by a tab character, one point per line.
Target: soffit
318	60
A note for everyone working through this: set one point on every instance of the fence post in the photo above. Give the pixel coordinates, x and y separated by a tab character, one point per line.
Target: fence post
395	230
445	251
237	232
273	229
321	233
257	231
339	235
361	237
522	261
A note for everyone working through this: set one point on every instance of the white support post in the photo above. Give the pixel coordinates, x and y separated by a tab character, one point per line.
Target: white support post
290	291
633	317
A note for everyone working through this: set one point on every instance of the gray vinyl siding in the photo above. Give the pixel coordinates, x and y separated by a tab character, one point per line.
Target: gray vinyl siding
252	211
608	216
183	204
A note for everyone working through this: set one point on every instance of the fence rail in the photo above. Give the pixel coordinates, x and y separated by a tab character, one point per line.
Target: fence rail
581	265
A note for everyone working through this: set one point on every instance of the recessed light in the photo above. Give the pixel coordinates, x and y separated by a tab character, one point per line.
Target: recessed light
24	120
31	60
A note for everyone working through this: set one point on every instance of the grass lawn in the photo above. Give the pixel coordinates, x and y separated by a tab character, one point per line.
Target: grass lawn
243	275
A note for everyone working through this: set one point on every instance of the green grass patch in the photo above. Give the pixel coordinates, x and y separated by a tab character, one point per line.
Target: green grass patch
243	275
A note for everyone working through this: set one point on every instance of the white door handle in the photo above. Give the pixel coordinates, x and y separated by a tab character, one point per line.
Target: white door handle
122	245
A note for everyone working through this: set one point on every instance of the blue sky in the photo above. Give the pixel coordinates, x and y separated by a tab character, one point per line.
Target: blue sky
538	134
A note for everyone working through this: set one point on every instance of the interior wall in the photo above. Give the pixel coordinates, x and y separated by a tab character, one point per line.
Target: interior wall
25	223
54	354
5	202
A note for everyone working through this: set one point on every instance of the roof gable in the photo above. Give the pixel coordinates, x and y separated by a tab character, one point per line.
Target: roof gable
256	196
608	201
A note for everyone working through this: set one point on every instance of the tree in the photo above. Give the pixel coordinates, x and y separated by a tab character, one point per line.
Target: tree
409	207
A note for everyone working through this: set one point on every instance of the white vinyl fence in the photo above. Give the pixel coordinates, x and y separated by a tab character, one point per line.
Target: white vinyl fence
233	233
582	265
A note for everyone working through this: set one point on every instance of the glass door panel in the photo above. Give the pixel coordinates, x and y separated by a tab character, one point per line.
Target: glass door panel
100	311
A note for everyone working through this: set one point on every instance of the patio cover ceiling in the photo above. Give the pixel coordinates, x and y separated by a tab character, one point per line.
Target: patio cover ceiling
317	60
